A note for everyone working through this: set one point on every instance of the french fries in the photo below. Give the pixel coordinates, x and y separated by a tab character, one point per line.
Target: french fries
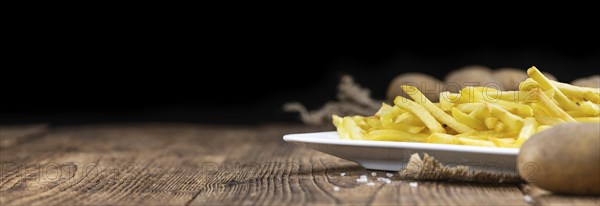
476	116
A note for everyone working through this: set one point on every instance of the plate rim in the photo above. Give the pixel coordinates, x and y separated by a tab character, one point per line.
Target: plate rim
317	138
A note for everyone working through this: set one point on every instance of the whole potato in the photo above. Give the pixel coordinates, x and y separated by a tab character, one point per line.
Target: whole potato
510	77
471	76
430	86
591	81
563	159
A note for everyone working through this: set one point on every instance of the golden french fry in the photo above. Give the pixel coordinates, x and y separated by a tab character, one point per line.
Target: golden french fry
395	135
408	118
422	113
499	127
519	109
510	120
353	130
545	84
477	116
441	138
553	109
589	108
588	119
542	117
438	113
528	84
468	107
475	142
385	108
341	129
529	128
414	129
361	122
336	120
481	112
543	127
490	122
479	94
512	96
374	122
577	113
590	96
446	102
468	120
471	95
575	91
388	119
505	142
484	135
403	117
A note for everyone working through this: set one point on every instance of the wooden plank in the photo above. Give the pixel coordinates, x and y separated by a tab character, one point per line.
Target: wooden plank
13	135
158	164
106	165
296	175
539	196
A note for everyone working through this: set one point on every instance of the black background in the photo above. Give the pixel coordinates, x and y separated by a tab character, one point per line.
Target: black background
243	76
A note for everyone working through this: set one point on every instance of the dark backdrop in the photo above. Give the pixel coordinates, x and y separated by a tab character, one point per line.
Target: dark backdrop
244	78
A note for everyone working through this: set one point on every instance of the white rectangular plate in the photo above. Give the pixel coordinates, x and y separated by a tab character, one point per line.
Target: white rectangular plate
394	156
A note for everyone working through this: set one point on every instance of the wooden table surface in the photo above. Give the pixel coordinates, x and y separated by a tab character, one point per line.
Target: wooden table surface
185	164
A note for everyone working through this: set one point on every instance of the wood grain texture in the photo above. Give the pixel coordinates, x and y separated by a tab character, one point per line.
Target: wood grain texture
543	197
176	164
12	135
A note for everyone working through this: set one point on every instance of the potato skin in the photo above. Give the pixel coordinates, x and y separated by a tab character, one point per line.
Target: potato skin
591	81
419	80
564	159
471	76
510	77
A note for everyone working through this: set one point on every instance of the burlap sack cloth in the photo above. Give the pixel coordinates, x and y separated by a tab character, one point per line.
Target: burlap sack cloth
427	168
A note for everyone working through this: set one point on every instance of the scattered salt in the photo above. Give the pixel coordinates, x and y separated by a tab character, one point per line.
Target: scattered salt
362	179
336	188
343	174
389	174
370	183
528	199
413	184
384	180
373	174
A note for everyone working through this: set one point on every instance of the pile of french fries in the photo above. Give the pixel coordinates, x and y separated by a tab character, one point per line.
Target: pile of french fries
477	116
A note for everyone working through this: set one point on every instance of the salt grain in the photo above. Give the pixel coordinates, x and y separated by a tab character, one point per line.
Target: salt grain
343	174
413	184
336	188
373	174
528	199
370	183
389	174
362	179
384	180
